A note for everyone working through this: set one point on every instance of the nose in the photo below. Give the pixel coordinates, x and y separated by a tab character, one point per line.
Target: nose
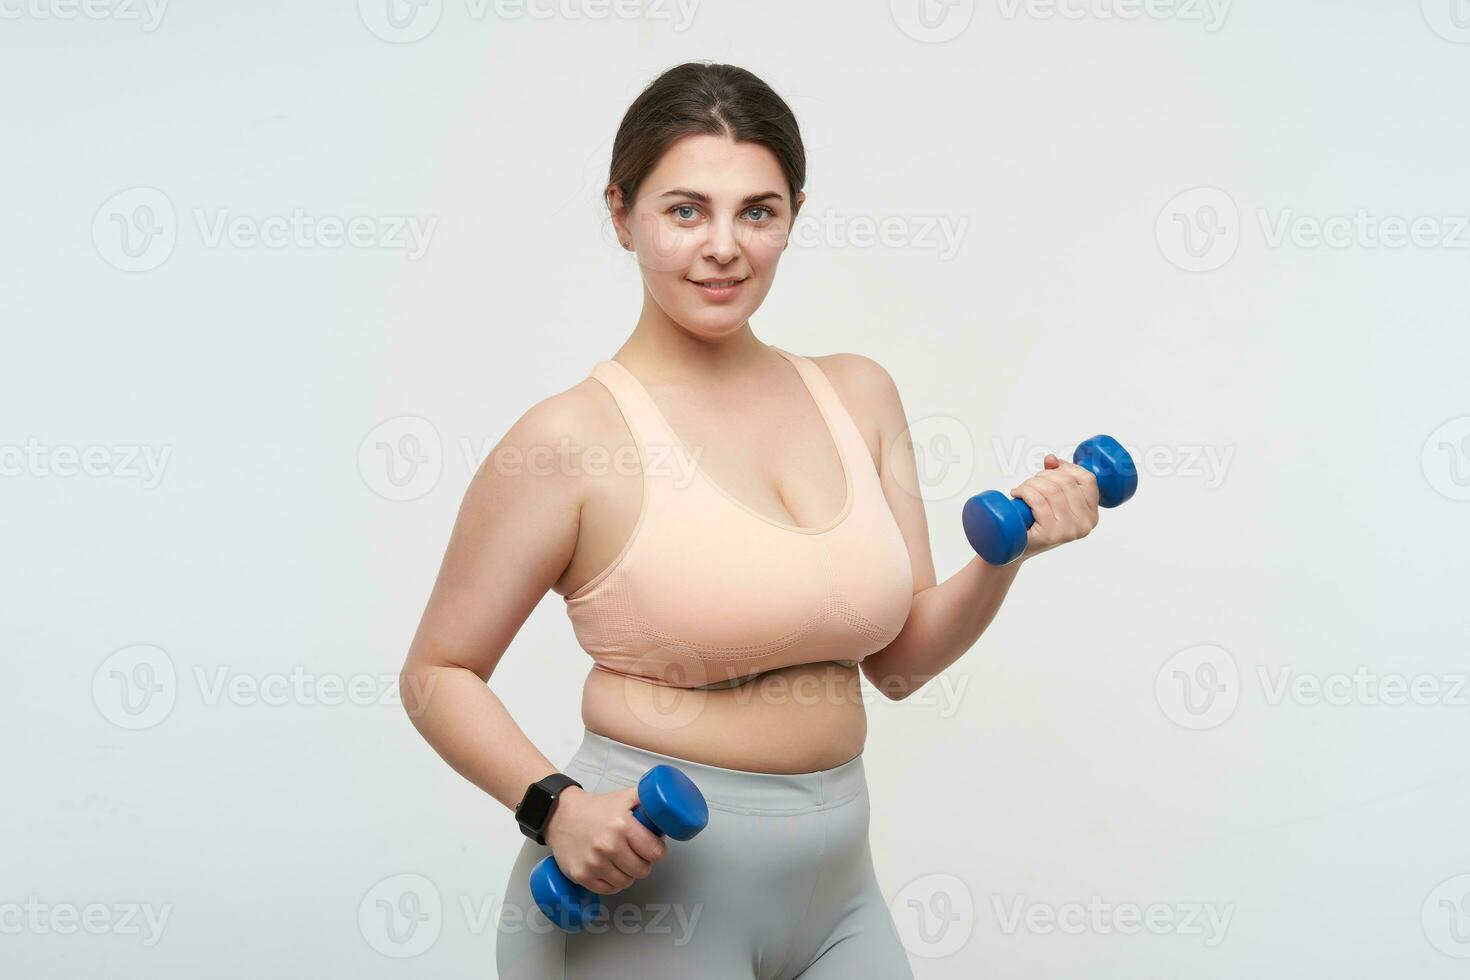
720	245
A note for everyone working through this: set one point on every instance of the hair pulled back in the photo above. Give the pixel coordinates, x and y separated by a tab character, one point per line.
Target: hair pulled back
699	98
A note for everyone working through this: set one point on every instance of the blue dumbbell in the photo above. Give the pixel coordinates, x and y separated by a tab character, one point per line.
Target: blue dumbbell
668	803
996	524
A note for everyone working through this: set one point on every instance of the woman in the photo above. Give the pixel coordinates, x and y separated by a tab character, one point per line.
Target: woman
729	598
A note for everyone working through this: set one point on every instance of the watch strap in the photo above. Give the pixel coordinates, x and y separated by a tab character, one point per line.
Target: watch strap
552	786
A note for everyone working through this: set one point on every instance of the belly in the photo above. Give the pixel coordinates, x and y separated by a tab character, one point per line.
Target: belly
800	718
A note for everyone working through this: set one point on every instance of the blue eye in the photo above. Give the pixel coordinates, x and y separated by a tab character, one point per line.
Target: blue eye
679	209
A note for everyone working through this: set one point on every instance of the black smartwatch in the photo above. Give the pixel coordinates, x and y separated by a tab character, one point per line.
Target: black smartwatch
539	803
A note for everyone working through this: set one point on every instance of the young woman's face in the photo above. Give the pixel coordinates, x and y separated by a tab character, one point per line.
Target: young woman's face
711	211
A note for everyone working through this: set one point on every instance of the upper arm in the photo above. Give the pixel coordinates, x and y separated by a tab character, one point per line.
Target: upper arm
879	411
512	539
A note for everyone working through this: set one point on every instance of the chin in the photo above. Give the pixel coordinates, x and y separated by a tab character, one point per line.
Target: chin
714	324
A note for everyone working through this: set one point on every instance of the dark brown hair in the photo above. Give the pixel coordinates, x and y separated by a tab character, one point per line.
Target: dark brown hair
699	98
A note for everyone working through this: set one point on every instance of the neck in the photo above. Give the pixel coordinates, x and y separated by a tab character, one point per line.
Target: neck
667	351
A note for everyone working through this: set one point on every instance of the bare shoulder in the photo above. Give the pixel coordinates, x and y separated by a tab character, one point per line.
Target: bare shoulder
867	390
549	438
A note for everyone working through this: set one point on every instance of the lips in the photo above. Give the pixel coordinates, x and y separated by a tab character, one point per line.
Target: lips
717	290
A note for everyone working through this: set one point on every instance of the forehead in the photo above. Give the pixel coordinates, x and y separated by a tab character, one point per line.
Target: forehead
718	166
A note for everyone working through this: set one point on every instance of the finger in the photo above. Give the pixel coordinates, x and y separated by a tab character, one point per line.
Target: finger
616	879
630	863
1041	511
645	844
1081	512
1067	500
593	881
1085	478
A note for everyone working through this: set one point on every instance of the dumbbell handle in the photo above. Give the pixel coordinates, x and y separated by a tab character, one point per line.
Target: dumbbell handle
996	525
570	905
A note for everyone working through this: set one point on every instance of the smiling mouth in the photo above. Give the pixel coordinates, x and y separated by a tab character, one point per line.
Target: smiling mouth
717	283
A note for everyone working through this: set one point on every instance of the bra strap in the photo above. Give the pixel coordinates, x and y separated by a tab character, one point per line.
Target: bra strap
641	415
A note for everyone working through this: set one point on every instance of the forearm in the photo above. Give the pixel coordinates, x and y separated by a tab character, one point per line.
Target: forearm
468	725
944	621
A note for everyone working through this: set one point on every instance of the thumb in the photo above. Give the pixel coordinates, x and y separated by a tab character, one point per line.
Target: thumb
1051	462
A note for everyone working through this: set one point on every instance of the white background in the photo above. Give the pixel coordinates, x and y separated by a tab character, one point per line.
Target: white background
1117	737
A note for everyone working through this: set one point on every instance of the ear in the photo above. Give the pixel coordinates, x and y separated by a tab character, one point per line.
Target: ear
800	200
614	197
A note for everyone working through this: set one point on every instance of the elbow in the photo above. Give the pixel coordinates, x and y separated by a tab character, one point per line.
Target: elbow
413	692
894	687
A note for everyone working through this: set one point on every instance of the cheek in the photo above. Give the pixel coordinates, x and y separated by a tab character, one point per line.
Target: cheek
667	250
764	250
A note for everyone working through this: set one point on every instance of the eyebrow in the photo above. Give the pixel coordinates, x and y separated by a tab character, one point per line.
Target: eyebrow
705	198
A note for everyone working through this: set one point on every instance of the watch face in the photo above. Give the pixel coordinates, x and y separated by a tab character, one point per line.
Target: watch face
535	807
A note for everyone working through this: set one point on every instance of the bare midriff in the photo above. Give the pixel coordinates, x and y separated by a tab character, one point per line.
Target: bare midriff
802	718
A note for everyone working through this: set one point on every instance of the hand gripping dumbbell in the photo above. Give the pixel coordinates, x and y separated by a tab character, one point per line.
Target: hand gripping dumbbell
996	524
668	803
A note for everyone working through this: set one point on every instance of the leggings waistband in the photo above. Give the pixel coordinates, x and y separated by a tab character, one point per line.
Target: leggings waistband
723	789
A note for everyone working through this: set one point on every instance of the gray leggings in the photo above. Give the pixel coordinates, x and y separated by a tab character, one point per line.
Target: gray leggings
779	885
